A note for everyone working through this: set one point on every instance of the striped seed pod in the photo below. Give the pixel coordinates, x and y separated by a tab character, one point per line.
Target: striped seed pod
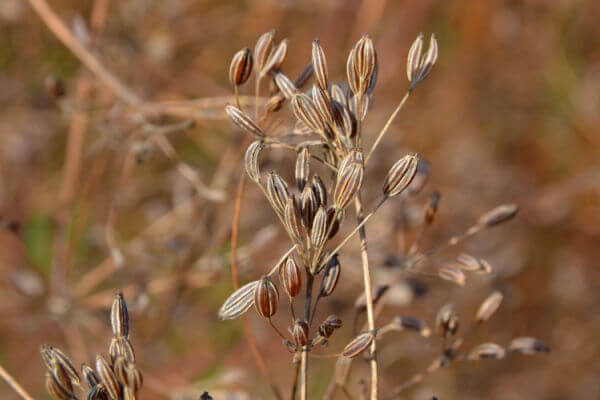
334	224
56	390
329	326
108	378
528	346
305	111
262	50
50	353
447	321
309	205
352	72
266	298
431	207
451	274
354	155
291	277
319	63
134	377
354	104
61	376
286	86
121	347
318	233
320	190
331	276
349	181
243	121
120	370
488	307
487	351
411	324
97	393
276	58
89	376
323	104
418	67
251	160
239	302
400	175
344	119
300	333
278	192
498	215
302	171
364	63
240	67
338	94
119	316
359	344
291	217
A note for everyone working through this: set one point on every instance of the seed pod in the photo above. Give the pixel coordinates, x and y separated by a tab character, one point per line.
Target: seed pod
320	190
378	291
355	155
251	160
318	234
359	344
120	370
431	207
447	321
331	276
344	119
452	274
487	350
528	345
400	175
97	393
262	50
278	192
291	277
348	184
274	103
418	67
305	111
89	376
239	302
291	217
319	64
61	376
352	72
467	262
414	58
329	326
300	333
50	353
266	298
276	58
364	63
107	377
498	215
119	316
121	347
411	324
323	104
56	390
304	76
488	307
286	86
243	121
134	378
240	67
486	268
338	94
302	168
309	205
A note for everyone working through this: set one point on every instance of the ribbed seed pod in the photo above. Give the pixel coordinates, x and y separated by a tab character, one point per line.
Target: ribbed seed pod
119	368
134	378
352	72
451	274
431	207
344	119
240	67
489	307
50	353
329	326
56	390
291	217
331	276
528	346
300	333
411	324
320	190
121	347
320	64
359	344
47	356
414	58
89	376
119	316
498	215
418	67
243	121
276	58
354	155
266	298
309	205
108	378
291	277
97	393
348	184
251	160
338	94
354	105
262	50
365	63
323	104
61	376
239	302
487	351
318	233
400	175
278	192
305	111
447	321
302	171
284	84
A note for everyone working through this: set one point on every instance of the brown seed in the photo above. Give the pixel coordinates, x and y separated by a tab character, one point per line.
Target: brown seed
498	215
447	321
378	291
302	168
331	276
50	353
291	277
319	63
329	326
488	307
278	192
263	48
452	274
305	111
276	58
266	298
528	345
323	104
320	190
309	205
61	376
119	316
243	121
334	225
108	378
318	234
251	160
240	67
239	302
56	390
359	344
286	86
411	324
300	333
400	175
89	376
431	207
349	181
487	351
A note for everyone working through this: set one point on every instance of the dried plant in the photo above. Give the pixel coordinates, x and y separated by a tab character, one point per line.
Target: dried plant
330	169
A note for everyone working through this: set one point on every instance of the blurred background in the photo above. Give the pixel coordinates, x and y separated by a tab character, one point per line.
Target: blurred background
90	203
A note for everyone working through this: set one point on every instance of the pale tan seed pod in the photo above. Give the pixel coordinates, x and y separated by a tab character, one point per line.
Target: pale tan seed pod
318	234
251	160
278	192
243	121
352	73
56	390
400	175
348	184
418	67
338	94
411	324
266	298
414	58
322	103
359	344
276	58
528	346
488	307
120	370
302	171
320	190
498	215
291	217
451	274
89	376
304	76
354	105
331	276
329	326
240	67
365	63
300	333
274	103
487	351
107	377
431	207
286	86
360	304
309	205
291	277
262	50
305	111
354	156
239	302
61	376
319	63
119	316
447	321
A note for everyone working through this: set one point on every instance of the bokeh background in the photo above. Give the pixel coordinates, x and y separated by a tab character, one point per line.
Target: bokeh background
511	113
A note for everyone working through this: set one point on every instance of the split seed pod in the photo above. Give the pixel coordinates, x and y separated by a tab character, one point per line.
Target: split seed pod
266	298
418	67
239	302
243	121
119	316
251	160
302	168
359	344
300	333
488	307
263	48
331	276
291	277
240	67
400	175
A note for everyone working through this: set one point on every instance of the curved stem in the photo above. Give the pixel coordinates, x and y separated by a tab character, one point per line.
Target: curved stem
14	384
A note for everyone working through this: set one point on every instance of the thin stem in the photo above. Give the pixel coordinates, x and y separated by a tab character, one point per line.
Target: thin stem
454	240
236	90
304	367
387	125
14	384
417	378
295	378
276	329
